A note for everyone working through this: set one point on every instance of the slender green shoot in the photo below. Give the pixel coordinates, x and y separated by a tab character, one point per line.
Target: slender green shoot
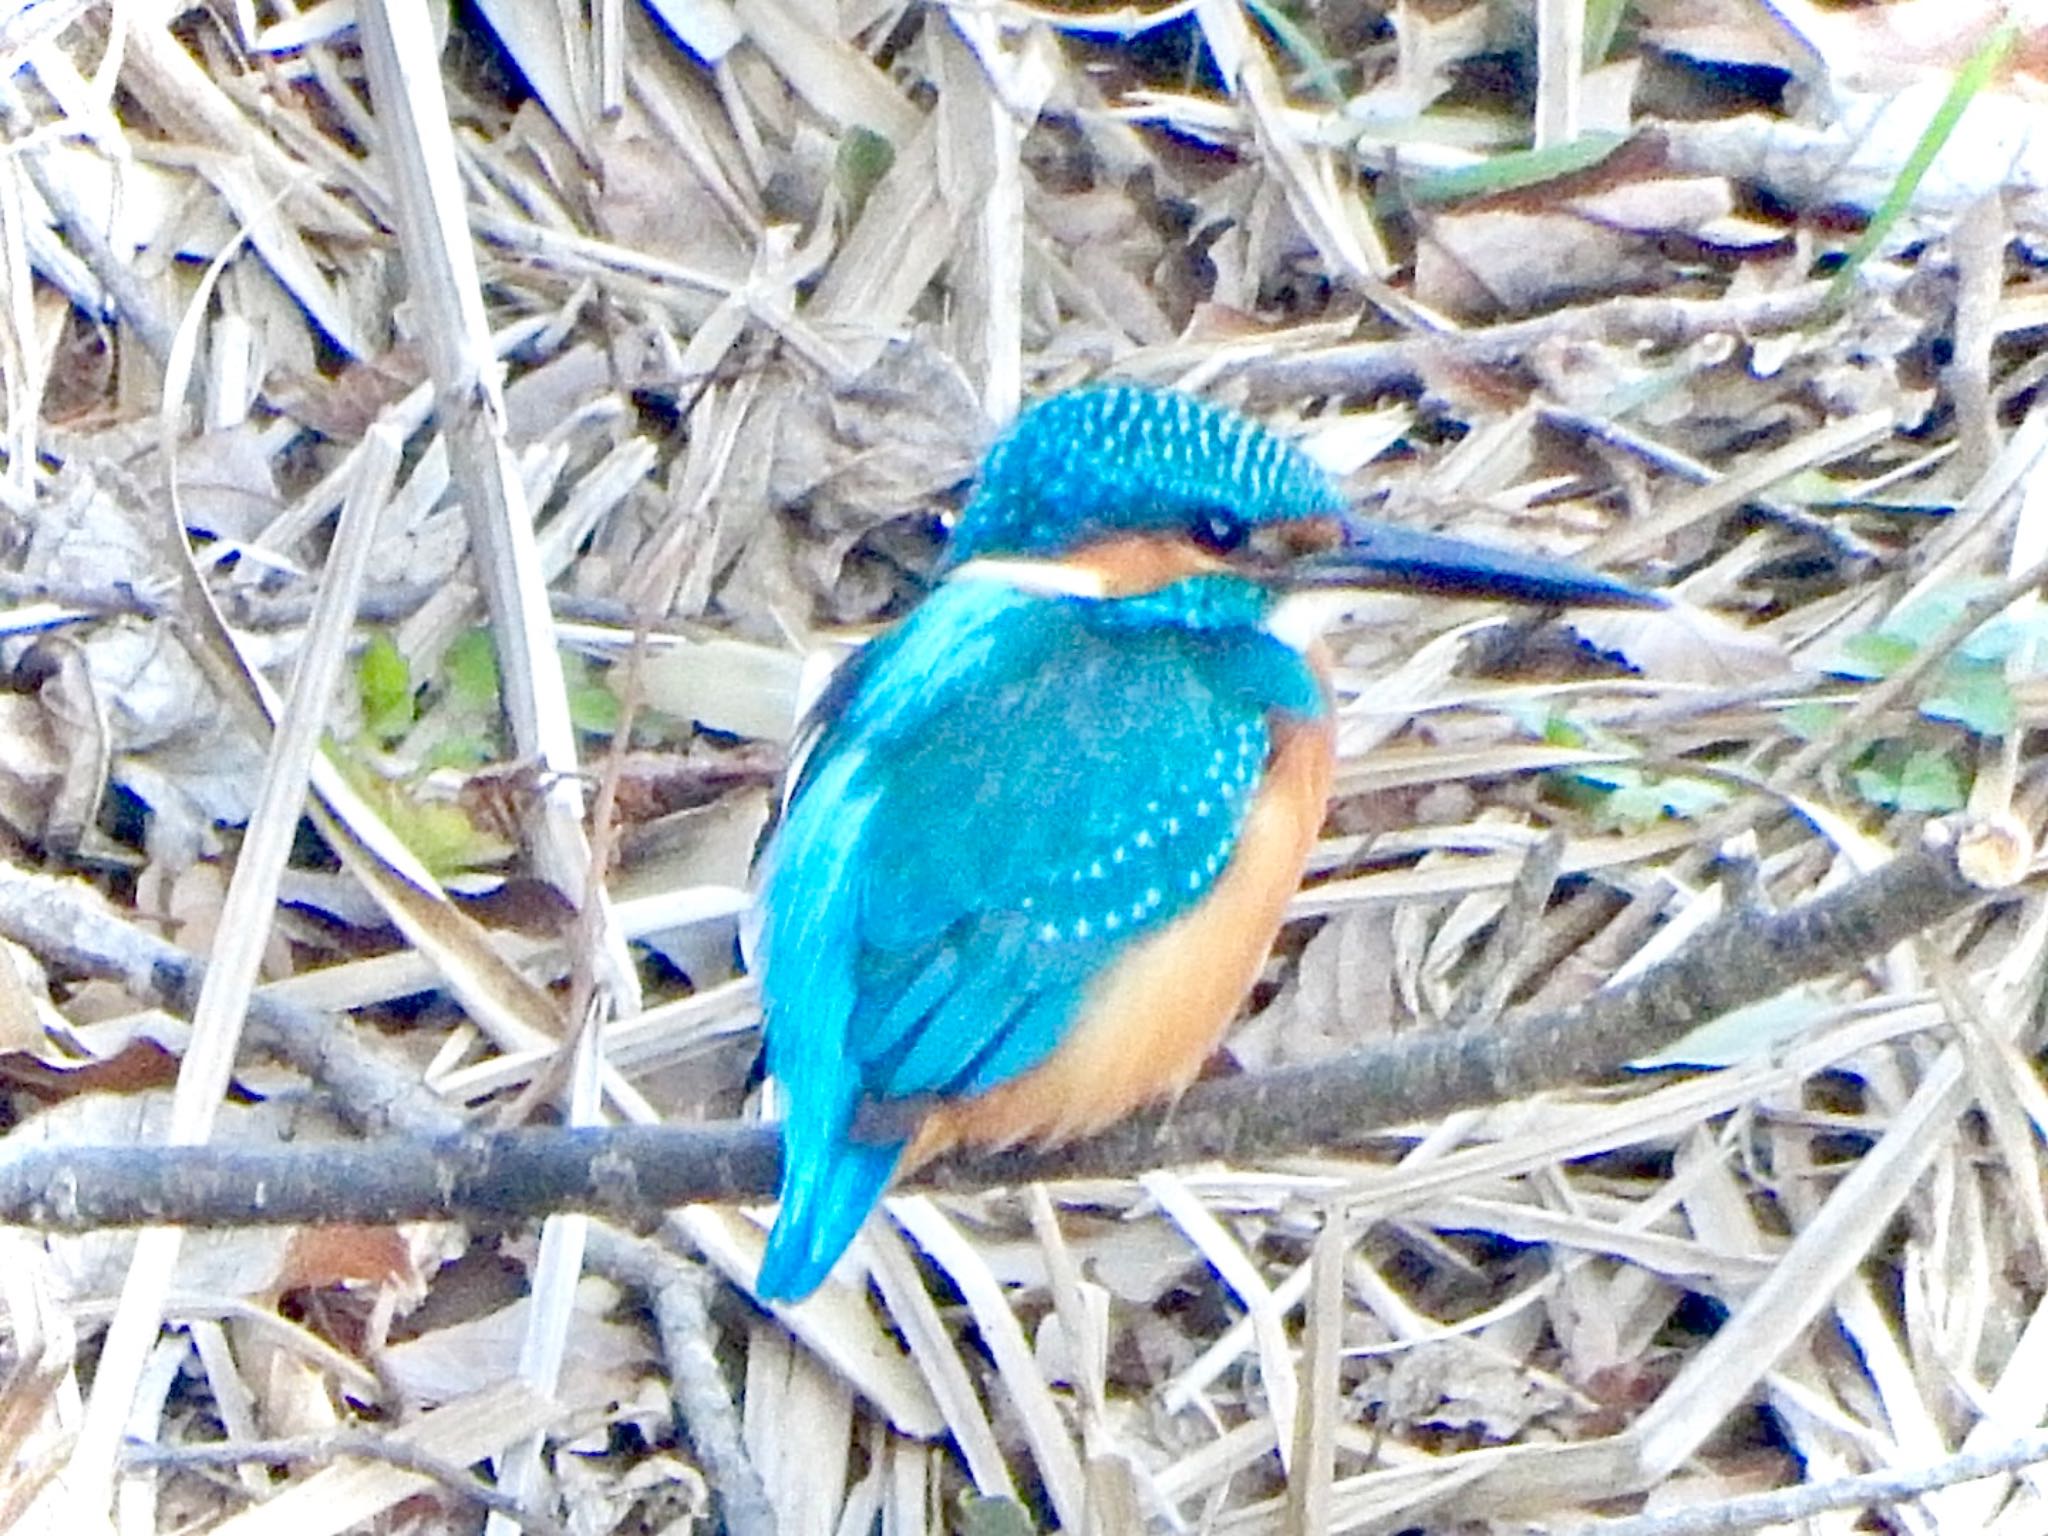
1512	171
1975	74
1315	62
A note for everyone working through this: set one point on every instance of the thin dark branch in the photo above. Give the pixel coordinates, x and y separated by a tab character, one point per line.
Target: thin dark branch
66	925
631	1173
1370	367
676	1294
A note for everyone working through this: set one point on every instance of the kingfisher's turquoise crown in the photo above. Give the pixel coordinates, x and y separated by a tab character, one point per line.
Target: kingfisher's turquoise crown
1121	458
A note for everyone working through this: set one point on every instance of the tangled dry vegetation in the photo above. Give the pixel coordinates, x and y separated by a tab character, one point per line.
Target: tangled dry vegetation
757	279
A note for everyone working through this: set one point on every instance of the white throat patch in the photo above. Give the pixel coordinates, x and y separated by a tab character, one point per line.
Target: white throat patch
1040	578
1301	618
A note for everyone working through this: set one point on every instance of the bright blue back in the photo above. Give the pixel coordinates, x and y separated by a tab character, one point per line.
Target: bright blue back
970	844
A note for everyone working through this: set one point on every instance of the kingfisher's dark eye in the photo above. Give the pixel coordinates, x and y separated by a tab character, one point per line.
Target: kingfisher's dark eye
1220	532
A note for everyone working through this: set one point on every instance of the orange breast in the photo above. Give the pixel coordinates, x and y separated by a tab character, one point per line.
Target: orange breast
1151	1020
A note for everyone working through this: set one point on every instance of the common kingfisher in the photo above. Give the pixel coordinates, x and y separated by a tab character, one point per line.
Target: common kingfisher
1042	834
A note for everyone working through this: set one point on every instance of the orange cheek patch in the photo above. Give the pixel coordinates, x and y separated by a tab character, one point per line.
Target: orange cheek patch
1156	1015
1134	564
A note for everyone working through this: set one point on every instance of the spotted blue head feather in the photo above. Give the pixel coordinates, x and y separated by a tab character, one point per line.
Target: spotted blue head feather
1113	459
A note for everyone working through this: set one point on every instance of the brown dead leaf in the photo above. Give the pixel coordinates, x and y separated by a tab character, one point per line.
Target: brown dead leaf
226	484
1339	997
1684	644
654	203
1481	263
25	1010
32	763
605	1363
1468	1384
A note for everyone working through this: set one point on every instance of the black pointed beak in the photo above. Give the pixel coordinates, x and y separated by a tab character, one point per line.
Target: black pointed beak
1380	557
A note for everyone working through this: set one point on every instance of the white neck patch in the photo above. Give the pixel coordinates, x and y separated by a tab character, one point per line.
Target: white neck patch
1301	618
1298	620
1040	578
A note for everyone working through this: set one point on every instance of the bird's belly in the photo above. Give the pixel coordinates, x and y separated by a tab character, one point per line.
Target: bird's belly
1150	1021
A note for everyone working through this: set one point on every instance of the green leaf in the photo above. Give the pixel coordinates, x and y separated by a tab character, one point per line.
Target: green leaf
384	681
1609	776
982	1516
1926	617
463	750
1569	789
1976	698
1874	654
1876	777
864	158
593	707
1677	797
1603	20
1815	488
1877	783
2001	638
1930	783
1637	806
1685	798
446	840
470	669
1810	721
440	832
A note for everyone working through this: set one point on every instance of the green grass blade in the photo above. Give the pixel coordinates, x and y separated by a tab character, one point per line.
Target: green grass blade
1970	79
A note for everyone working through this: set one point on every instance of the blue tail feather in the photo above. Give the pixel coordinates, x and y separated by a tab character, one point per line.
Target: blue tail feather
826	1196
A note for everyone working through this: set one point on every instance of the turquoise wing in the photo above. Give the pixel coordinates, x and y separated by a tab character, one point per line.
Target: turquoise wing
1013	790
